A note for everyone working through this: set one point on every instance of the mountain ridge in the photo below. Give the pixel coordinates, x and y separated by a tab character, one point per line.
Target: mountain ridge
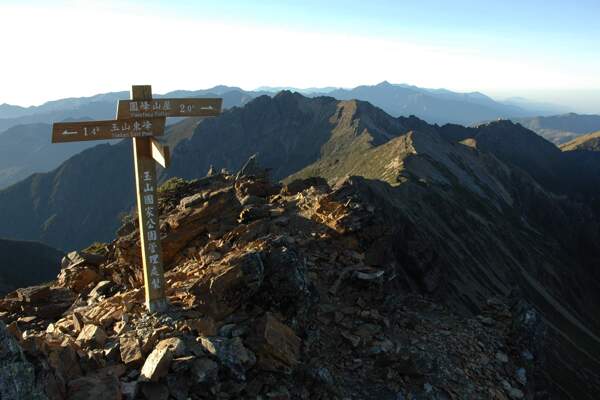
461	214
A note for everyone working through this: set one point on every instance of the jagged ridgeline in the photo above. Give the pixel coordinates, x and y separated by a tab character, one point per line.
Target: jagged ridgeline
394	259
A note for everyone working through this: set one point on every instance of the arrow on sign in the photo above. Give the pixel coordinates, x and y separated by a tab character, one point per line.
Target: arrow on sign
69	133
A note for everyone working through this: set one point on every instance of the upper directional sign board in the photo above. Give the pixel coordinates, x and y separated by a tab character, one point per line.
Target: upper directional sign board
169	108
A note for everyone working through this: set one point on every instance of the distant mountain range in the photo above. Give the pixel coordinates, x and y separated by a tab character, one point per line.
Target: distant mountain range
432	105
103	106
562	128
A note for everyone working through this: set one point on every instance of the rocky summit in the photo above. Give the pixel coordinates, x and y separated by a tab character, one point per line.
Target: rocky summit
304	290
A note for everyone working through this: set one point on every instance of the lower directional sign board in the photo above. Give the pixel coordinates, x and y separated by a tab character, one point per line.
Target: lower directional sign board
155	108
102	130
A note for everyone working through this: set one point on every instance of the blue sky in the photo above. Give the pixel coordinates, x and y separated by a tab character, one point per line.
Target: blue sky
538	49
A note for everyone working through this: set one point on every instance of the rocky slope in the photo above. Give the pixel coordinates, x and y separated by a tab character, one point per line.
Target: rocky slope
590	142
436	284
568	173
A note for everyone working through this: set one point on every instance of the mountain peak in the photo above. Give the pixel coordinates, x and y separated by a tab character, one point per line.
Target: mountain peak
384	84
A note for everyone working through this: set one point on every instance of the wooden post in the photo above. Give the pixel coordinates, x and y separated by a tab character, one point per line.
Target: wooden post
147	199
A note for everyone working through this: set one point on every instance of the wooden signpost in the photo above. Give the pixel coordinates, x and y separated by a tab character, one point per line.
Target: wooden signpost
142	118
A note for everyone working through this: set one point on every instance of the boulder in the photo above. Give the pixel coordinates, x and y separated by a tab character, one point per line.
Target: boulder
78	278
174	344
231	353
34	294
131	352
276	345
157	364
76	258
92	335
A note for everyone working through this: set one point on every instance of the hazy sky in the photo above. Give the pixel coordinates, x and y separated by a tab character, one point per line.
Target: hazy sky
545	50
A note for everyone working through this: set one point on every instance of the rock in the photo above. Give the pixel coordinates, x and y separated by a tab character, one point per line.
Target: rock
513	393
65	361
353	339
368	276
92	335
13	329
103	288
252	213
77	322
300	185
487	321
78	278
381	346
257	188
157	364
226	286
522	376
75	258
204	370
92	387
203	326
179	386
287	281
276	345
255	201
251	168
130	390
155	391
174	344
281	393
28	319
17	375
192	201
501	357
231	353
34	294
131	352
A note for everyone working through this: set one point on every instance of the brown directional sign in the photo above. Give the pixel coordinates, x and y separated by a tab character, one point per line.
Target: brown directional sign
102	130
156	108
142	118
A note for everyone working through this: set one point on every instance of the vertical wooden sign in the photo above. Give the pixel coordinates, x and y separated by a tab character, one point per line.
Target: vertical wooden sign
147	206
